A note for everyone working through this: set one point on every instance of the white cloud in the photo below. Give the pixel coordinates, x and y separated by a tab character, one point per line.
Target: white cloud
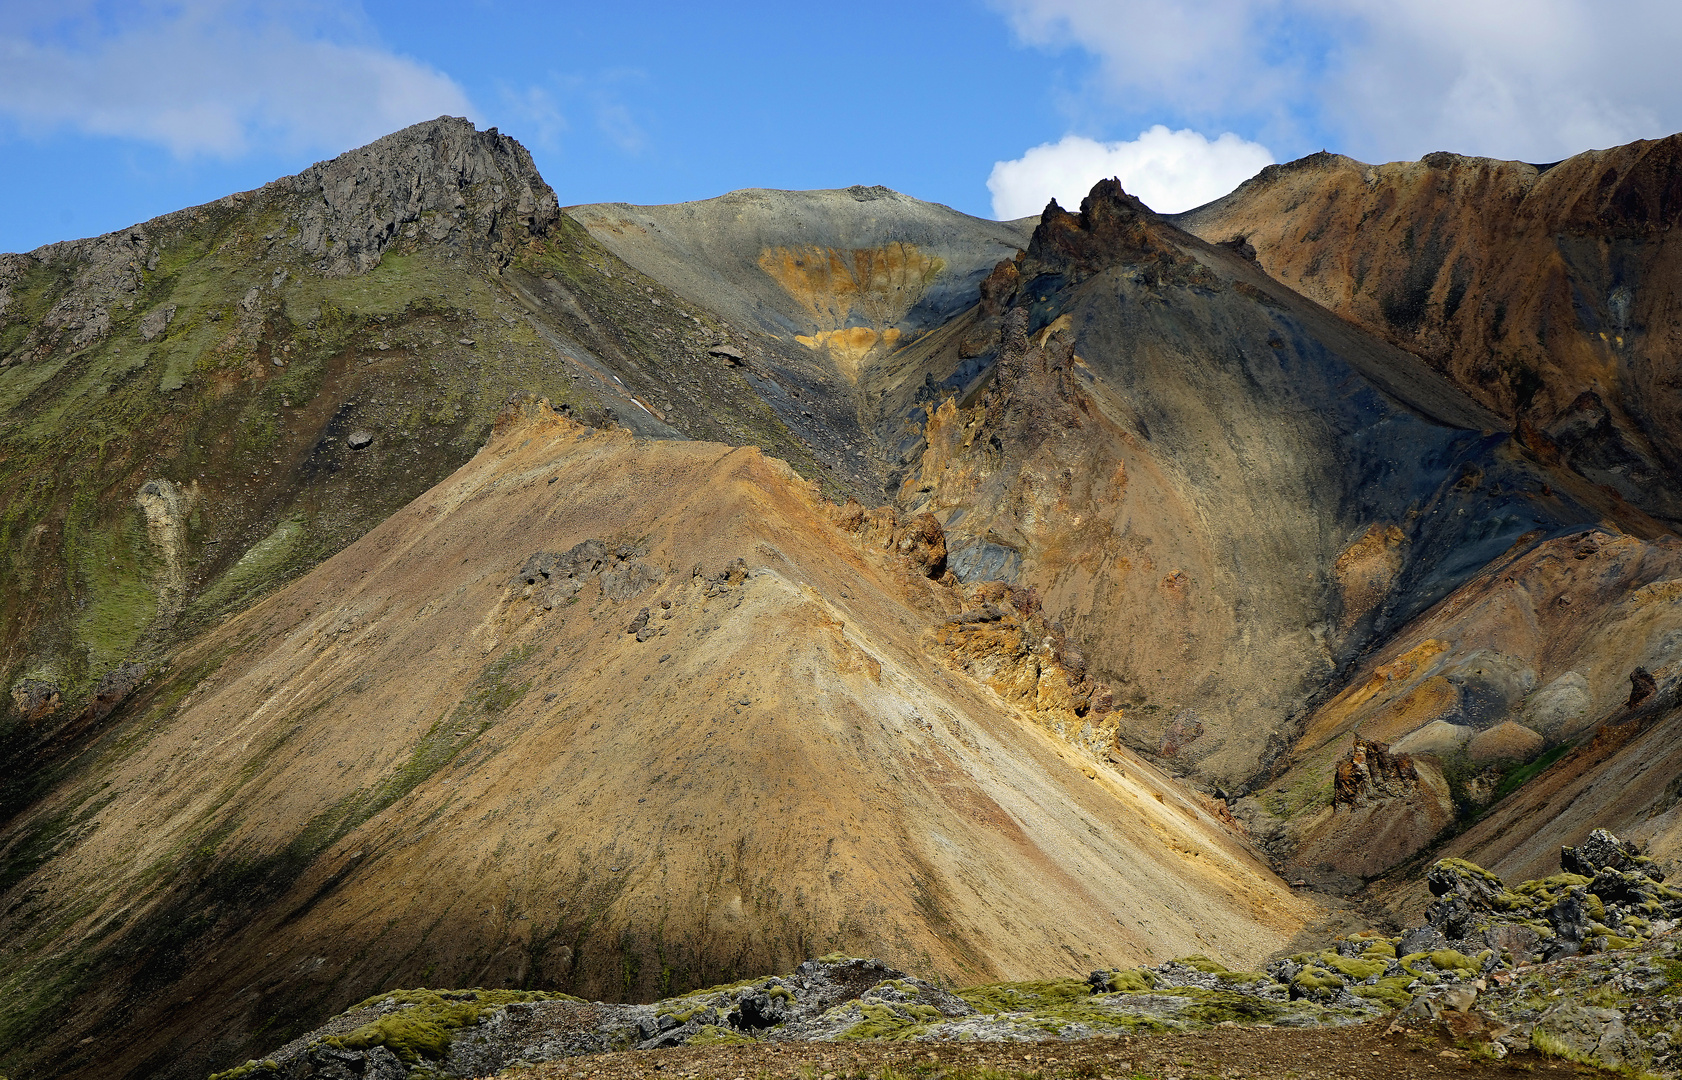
1169	171
1530	79
214	77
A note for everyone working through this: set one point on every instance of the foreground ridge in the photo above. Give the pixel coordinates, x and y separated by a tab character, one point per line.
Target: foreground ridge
1503	970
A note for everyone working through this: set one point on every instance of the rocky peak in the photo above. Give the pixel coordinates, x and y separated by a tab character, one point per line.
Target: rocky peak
441	180
439	183
1110	224
1111	228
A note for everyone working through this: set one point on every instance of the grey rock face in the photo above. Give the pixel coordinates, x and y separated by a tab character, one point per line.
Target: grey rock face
1422	939
440	180
153	324
1585	1030
359	440
115	686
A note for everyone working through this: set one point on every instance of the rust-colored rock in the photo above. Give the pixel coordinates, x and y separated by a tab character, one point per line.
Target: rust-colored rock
1370	772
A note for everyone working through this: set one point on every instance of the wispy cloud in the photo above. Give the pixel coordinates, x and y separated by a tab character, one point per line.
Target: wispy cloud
615	121
542	109
1532	79
538	114
212	77
1169	171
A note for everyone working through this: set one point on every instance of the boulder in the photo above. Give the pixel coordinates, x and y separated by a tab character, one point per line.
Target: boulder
1423	939
1602	849
923	541
1514	939
35	698
1583	1032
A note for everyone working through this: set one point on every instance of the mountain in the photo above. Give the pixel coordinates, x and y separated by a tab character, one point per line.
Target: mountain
412	582
1543	291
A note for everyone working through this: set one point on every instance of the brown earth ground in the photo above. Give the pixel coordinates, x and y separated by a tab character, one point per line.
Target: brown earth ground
1365	1052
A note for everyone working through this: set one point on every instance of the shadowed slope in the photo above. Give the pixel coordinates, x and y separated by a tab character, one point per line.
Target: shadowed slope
1223	491
1547	292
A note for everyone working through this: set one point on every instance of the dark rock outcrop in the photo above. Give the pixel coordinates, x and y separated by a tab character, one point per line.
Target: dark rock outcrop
1603	851
35	698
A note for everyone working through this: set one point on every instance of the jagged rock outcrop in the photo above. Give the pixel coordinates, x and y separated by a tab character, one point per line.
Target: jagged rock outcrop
1608	896
1603	851
441	182
1370	772
920	541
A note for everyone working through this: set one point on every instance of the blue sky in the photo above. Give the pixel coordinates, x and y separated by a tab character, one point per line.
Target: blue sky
111	113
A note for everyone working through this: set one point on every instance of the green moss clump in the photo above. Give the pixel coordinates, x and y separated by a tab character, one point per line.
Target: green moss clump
411	1034
1613	941
1450	960
1391	993
1199	962
251	1068
1025	996
1383	950
425	1027
1133	981
1550	885
1472	869
886	1022
1355	968
1241	977
1213	1007
1317	979
713	1035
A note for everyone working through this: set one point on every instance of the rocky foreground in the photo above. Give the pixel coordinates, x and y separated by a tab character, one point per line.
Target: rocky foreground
1582	965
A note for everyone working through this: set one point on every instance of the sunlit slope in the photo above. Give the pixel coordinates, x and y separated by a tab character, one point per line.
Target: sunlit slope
413	767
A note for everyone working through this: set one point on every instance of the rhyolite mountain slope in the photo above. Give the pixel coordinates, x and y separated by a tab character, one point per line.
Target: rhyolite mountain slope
1548	293
443	757
1159	506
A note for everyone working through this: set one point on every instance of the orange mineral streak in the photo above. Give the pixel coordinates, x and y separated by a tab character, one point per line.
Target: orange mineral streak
853	297
1366	571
